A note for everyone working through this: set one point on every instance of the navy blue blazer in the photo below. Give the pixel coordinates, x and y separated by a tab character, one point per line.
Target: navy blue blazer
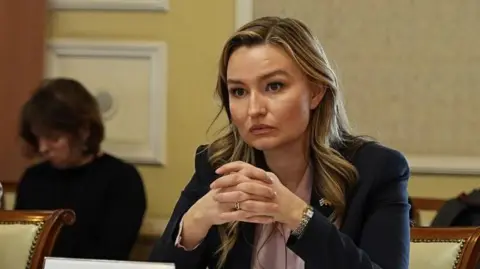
375	232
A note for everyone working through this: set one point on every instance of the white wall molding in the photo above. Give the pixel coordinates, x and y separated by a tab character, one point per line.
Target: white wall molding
243	12
446	165
152	150
159	5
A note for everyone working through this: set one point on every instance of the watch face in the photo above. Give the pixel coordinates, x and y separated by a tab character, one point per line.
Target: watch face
309	213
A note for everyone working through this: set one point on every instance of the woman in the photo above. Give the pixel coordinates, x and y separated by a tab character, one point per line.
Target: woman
288	185
61	124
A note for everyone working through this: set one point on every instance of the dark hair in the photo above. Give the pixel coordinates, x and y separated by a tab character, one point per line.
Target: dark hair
62	105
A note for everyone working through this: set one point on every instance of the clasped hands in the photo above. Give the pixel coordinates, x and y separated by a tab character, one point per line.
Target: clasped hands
249	194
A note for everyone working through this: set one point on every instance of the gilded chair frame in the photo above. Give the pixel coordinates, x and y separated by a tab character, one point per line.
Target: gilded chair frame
49	223
468	237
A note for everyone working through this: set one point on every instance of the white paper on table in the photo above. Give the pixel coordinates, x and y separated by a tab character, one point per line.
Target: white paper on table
62	263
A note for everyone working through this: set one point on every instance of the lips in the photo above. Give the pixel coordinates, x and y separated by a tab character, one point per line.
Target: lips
261	129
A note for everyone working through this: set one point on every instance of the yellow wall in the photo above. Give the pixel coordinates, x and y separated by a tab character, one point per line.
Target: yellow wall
194	32
441	186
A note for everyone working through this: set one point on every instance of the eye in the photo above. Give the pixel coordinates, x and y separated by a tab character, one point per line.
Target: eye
53	137
275	86
237	92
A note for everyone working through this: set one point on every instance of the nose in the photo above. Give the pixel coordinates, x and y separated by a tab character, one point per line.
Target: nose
42	146
256	105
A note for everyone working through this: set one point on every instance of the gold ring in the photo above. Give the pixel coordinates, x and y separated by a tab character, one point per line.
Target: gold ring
237	206
267	177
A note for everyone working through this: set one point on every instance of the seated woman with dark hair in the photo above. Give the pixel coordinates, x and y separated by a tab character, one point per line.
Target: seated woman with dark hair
61	124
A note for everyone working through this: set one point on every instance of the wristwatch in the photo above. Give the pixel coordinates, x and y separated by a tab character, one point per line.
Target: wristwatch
306	217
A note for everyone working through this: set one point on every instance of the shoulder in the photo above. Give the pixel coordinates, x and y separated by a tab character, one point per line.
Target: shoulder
116	172
122	176
110	163
204	173
202	161
33	176
121	183
38	167
376	161
35	170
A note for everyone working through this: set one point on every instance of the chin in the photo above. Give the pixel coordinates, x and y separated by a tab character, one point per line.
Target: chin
58	164
264	144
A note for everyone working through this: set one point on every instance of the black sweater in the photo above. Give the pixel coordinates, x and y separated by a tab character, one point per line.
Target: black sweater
107	196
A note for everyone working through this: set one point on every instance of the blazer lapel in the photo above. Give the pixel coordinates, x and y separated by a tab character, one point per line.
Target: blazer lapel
320	204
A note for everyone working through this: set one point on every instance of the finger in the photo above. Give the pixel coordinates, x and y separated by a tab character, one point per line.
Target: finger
244	168
227	207
244	216
256	173
236	215
254	188
237	196
228	181
231	167
259	207
230	197
260	219
235	189
228	189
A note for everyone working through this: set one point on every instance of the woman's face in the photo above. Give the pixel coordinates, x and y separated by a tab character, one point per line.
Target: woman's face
270	97
57	149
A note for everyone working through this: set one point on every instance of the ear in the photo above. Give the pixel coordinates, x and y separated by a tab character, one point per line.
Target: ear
317	96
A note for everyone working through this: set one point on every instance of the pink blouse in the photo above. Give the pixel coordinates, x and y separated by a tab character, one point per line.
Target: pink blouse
270	249
273	253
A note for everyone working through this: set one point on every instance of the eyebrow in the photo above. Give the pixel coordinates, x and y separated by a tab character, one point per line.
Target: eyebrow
262	77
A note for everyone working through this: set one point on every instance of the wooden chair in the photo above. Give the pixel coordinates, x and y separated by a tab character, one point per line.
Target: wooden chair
26	237
425	209
8	187
2	197
445	248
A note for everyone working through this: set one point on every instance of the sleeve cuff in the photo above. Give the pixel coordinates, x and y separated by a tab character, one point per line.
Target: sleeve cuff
178	239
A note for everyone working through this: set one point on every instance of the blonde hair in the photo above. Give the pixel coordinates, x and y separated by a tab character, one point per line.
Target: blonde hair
328	128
